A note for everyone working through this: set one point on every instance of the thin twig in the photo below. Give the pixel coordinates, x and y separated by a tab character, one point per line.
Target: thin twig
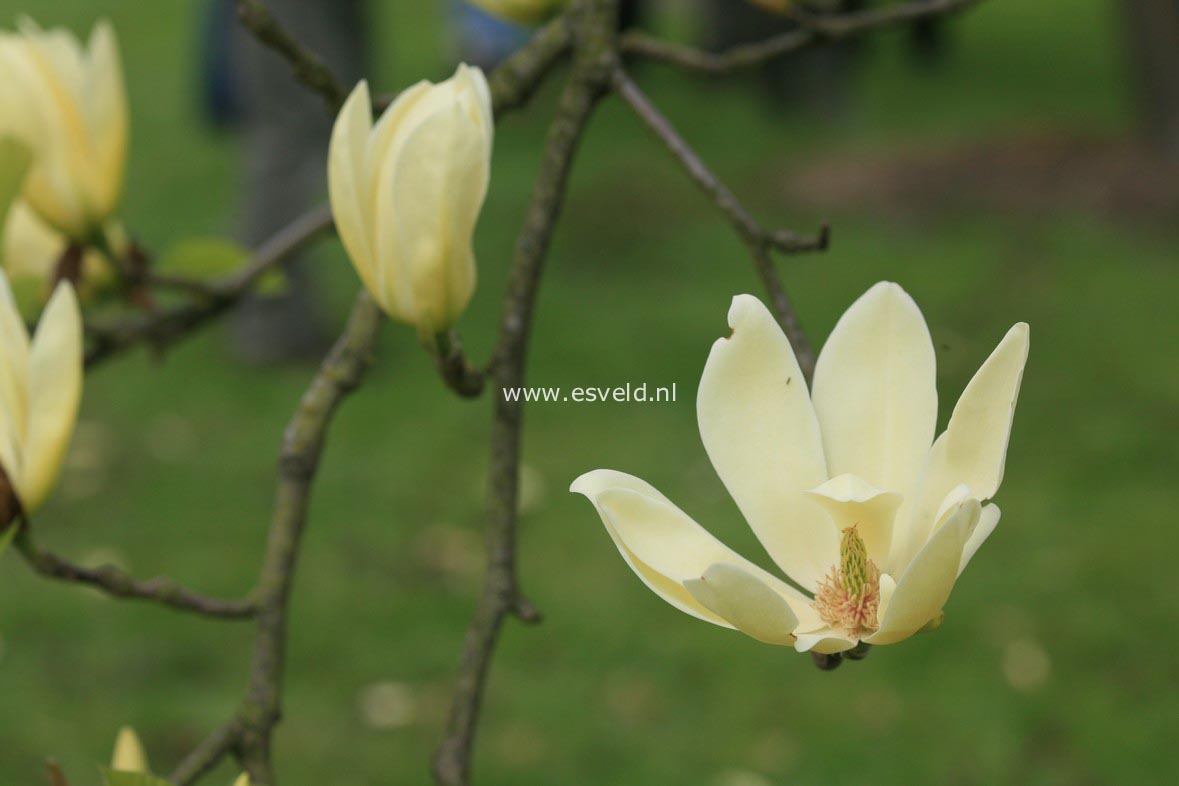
454	368
813	30
501	594
117	583
309	70
207	755
249	733
759	240
303	442
163	328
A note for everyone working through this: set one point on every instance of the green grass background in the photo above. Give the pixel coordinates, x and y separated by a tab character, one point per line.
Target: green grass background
1055	665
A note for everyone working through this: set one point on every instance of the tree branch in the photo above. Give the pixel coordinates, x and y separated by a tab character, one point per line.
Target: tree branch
759	240
207	755
303	442
119	584
249	733
309	70
812	30
594	23
161	329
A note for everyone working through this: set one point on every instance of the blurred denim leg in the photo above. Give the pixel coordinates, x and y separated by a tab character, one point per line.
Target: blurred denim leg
285	134
481	38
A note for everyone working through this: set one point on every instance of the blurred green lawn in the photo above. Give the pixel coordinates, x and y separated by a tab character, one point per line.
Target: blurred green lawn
1056	662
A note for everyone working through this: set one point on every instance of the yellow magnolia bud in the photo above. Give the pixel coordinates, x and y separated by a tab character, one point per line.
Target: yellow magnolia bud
523	11
69	105
242	780
32	249
406	194
40	389
129	755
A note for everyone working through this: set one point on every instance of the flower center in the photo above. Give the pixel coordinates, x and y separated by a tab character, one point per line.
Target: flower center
848	598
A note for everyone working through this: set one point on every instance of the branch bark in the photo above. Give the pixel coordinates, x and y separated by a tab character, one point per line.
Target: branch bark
594	23
757	239
164	328
117	583
308	69
303	442
812	30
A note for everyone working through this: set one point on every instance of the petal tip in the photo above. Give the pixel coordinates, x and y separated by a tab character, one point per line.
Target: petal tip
741	306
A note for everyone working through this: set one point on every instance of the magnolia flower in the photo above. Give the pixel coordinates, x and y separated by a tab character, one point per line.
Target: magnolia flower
523	11
129	756
406	194
846	488
40	389
69	105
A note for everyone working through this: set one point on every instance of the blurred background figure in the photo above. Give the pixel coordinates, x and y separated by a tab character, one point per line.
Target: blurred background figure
1152	28
284	136
818	79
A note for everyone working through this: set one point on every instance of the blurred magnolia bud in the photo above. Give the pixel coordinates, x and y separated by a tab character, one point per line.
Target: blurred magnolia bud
525	12
68	104
406	194
129	755
242	780
32	251
39	397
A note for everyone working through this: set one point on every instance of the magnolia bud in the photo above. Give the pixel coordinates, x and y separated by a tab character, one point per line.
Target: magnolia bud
69	106
406	194
40	389
128	755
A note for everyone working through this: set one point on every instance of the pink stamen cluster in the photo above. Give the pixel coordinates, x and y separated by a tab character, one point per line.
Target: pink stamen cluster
849	597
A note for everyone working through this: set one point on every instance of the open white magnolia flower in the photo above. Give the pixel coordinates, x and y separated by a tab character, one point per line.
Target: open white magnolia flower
846	488
40	389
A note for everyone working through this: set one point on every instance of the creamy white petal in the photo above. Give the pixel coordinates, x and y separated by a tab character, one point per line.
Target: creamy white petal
851	501
888	586
14	383
745	602
347	186
760	431
107	116
436	192
973	448
826	642
987	521
662	544
129	755
926	584
875	390
55	388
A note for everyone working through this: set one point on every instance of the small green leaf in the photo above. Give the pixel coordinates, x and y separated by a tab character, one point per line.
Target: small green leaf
273	283
115	778
204	258
6	537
